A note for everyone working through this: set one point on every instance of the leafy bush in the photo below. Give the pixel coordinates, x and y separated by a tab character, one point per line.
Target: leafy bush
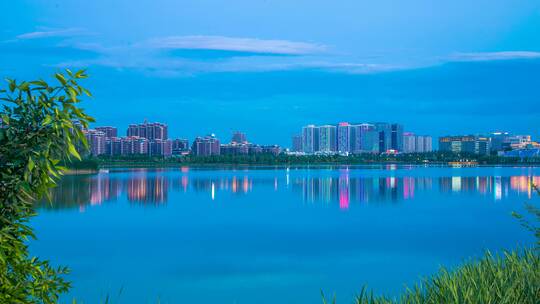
40	127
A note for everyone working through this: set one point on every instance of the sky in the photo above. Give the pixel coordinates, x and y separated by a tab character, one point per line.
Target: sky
269	67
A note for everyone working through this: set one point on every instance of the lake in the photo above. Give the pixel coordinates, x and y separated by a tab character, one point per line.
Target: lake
274	235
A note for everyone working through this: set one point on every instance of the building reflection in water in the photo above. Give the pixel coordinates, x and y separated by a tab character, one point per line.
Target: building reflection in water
151	188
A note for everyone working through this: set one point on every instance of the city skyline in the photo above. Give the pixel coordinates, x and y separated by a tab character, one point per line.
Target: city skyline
448	69
343	138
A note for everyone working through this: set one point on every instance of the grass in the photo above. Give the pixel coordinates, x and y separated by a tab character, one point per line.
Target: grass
512	277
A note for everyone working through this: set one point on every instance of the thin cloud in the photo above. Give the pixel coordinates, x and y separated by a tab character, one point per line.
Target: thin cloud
491	56
68	32
221	43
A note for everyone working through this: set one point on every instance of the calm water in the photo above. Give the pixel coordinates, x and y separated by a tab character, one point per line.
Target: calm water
274	235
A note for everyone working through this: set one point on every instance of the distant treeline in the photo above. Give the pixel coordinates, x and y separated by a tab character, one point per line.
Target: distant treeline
284	159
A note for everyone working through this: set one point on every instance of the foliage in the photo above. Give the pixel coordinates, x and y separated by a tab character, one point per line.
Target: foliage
284	159
534	211
511	278
40	128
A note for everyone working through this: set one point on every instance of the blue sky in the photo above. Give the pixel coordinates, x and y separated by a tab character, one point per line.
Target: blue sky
269	67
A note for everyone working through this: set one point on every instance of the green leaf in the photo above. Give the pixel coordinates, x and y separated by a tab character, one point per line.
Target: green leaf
47	120
61	78
31	164
12	85
72	94
73	151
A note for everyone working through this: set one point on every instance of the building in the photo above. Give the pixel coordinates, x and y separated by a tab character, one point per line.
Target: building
149	131
239	138
160	147
180	146
364	139
417	143
327	139
113	146
409	142
234	149
465	144
310	139
396	138
385	136
96	141
428	143
297	143
271	149
344	137
206	146
499	141
134	145
109	131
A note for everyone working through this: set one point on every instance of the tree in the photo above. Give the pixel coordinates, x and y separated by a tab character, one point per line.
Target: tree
40	128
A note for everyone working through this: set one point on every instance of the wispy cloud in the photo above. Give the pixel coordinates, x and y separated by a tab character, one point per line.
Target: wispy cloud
491	56
221	43
48	33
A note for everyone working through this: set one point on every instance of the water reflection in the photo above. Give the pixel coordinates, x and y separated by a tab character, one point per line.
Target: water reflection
151	188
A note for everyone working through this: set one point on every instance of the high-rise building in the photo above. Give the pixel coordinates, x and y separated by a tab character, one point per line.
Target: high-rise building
327	138
296	143
96	141
409	142
467	144
113	146
133	145
310	139
205	146
396	139
239	138
420	144
417	143
149	131
385	136
364	139
109	131
160	147
428	143
344	142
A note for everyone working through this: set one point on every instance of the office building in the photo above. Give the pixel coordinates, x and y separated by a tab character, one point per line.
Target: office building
465	144
500	141
385	136
396	138
364	139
